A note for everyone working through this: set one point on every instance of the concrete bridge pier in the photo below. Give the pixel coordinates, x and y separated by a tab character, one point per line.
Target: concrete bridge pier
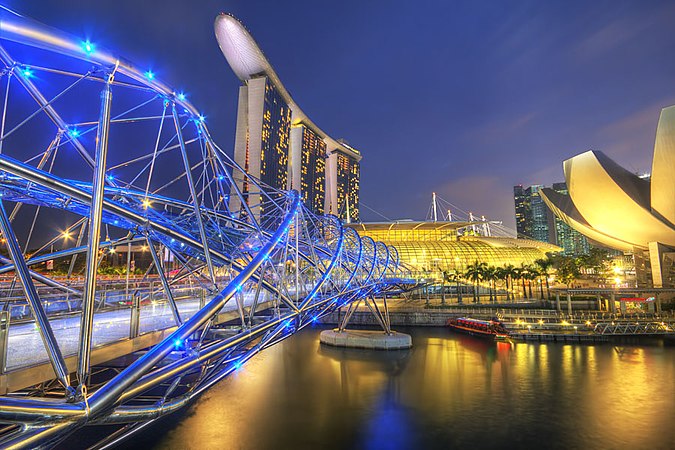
384	339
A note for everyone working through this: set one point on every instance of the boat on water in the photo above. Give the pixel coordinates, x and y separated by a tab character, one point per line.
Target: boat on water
490	329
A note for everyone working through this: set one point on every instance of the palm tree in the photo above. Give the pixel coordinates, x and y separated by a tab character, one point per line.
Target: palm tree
455	277
490	275
530	275
535	274
444	276
545	264
500	274
474	272
510	272
524	275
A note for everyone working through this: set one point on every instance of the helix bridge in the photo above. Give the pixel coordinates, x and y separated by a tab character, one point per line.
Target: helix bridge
97	155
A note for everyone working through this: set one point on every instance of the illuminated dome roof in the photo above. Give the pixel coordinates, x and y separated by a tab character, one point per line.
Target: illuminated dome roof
615	207
425	245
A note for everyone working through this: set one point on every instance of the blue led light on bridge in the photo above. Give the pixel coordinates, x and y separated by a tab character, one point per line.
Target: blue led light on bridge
181	96
88	47
26	72
149	75
74	132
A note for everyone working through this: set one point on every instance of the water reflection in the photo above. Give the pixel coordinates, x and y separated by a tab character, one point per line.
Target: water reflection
447	391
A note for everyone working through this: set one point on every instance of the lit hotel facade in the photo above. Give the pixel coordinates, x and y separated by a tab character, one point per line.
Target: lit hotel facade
275	141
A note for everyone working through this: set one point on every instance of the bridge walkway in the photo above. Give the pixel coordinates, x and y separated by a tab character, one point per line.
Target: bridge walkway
26	361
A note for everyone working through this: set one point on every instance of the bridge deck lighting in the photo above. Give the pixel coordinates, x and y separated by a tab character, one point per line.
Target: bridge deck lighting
181	96
149	75
146	203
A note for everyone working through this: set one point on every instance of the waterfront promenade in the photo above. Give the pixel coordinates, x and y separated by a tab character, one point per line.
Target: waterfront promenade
526	320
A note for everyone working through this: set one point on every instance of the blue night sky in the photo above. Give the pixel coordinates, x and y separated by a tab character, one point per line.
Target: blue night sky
462	98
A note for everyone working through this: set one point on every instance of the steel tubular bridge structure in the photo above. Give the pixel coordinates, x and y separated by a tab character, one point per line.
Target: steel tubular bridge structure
97	154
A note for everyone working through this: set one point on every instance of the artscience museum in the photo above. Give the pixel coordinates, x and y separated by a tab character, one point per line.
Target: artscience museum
621	210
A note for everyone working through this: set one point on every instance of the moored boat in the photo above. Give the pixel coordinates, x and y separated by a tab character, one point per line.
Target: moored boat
491	329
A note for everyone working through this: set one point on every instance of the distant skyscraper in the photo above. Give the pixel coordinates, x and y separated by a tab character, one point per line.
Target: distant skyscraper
536	221
277	143
522	203
573	242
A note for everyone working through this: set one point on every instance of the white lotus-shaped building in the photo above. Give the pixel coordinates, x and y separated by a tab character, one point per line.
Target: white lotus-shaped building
621	210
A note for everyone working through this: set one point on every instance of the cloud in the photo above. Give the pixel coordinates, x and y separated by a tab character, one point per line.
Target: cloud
621	31
500	129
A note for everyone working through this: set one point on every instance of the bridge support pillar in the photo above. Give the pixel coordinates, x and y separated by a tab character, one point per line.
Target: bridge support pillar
650	306
569	303
622	306
368	339
387	339
202	298
134	323
612	303
557	301
657	303
598	301
4	339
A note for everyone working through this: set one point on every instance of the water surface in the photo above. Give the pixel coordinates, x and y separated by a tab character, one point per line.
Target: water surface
449	391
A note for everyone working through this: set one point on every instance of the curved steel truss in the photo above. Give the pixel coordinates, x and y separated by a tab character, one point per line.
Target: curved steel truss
97	157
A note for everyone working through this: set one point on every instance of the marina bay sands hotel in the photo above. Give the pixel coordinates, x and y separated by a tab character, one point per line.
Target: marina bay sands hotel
277	143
